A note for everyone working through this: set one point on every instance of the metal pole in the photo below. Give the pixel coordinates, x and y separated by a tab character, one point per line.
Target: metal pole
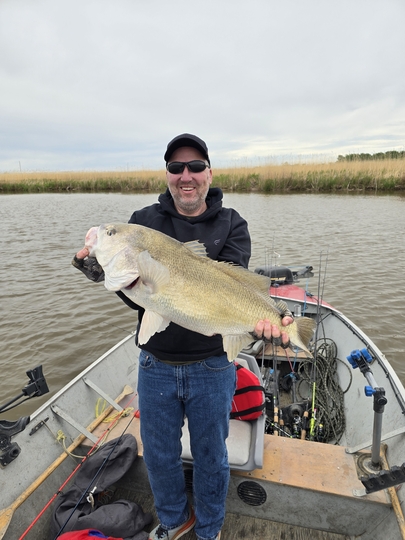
362	359
379	402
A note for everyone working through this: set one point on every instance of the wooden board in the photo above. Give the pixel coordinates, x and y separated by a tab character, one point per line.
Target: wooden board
328	468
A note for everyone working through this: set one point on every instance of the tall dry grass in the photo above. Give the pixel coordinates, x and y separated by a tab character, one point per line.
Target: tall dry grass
377	176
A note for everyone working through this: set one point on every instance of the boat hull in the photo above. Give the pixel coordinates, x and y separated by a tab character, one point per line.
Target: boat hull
302	483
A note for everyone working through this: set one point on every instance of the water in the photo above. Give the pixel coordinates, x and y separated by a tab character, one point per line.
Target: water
52	315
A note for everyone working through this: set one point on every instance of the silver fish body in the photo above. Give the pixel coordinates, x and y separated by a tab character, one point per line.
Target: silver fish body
178	282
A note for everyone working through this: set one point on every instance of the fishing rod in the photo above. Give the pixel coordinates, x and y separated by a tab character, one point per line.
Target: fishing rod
36	387
278	422
89	489
280	431
6	514
131	333
312	422
92	450
276	419
289	381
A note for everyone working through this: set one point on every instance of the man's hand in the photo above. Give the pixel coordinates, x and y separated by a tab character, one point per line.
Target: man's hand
88	265
82	254
271	332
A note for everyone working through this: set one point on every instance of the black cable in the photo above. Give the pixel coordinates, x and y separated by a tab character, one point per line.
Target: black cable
329	394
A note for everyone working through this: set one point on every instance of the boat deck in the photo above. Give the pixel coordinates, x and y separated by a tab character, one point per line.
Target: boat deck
330	471
238	527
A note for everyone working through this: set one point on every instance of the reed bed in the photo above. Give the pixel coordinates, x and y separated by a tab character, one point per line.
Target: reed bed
357	176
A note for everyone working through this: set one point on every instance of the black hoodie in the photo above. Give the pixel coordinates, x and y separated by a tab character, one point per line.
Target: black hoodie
226	238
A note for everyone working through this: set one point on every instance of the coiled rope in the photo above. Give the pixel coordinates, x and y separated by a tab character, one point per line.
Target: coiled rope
329	394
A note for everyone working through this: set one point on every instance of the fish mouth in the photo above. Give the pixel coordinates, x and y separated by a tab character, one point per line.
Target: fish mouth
91	240
132	284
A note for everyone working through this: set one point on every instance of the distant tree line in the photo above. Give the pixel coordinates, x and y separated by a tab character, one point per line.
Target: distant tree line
391	154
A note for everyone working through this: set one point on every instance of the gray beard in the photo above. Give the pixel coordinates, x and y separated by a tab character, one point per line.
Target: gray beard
189	207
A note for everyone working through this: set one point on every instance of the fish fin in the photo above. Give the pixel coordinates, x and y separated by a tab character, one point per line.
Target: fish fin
305	331
247	278
233	344
116	283
283	307
196	247
153	274
151	324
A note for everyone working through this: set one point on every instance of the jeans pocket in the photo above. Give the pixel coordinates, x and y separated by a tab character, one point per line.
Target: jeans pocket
217	363
146	360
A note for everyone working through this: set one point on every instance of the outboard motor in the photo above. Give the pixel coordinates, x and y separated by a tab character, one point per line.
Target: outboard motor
279	275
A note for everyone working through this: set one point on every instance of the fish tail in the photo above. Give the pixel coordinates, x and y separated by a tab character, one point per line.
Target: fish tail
305	331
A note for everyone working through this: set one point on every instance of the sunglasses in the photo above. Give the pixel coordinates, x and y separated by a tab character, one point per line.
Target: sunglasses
195	166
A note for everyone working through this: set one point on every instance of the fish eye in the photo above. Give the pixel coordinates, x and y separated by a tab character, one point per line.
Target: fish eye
111	231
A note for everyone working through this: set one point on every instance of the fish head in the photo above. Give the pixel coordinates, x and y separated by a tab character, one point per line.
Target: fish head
115	246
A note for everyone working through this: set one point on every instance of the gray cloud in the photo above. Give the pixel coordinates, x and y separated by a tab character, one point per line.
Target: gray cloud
105	85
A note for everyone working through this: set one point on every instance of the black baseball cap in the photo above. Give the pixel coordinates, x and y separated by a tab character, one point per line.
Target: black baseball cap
186	139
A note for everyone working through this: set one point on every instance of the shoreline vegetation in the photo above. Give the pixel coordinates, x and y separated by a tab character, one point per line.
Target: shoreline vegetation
362	176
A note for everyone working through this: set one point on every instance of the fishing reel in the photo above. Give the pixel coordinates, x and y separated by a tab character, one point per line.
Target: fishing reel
293	421
36	386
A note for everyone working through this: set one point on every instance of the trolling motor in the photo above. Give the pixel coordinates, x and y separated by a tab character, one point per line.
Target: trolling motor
283	275
361	359
37	386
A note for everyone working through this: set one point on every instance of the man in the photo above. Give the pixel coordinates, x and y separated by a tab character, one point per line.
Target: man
183	373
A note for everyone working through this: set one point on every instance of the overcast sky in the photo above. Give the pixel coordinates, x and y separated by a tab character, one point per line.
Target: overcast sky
106	84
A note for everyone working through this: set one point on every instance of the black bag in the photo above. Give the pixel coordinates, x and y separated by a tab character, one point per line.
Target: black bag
122	518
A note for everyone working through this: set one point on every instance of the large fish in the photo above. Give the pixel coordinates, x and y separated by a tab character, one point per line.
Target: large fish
178	282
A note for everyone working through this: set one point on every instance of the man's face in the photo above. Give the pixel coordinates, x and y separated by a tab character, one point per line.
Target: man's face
189	189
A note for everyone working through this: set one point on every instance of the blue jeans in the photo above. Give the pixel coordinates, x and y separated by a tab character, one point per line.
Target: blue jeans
203	392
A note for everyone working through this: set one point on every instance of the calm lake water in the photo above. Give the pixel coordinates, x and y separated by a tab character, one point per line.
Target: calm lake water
52	315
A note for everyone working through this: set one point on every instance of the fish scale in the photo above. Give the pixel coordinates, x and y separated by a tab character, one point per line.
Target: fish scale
176	282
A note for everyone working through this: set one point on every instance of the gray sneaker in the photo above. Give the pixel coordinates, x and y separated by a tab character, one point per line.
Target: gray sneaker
160	533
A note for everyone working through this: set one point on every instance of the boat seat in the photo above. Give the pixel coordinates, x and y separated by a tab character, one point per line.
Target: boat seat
245	443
